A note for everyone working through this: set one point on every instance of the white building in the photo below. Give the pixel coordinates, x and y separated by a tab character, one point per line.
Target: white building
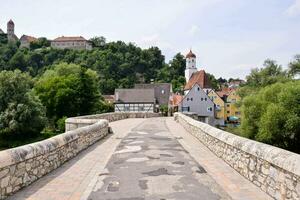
71	43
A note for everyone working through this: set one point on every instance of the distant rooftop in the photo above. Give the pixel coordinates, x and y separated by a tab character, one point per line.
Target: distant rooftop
71	38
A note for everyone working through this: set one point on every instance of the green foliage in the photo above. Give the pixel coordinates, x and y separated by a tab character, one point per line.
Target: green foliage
39	43
21	113
98	41
270	74
294	67
61	124
164	110
272	115
68	90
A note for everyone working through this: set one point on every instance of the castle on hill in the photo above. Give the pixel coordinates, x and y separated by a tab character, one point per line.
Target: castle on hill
11	36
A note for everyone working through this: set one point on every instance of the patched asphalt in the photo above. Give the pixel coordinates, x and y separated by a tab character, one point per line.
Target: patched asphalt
150	164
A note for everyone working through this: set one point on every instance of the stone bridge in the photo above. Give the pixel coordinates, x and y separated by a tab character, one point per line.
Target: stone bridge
137	156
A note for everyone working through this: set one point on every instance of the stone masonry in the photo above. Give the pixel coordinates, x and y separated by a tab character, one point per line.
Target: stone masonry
23	165
274	170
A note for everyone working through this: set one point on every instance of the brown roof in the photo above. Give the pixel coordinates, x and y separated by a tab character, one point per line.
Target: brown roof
66	39
190	55
176	99
28	38
224	92
200	78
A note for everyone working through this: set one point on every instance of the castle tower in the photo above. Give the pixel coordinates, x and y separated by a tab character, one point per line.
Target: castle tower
10	30
190	65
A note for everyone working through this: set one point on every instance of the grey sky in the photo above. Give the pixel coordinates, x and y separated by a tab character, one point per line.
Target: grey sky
229	37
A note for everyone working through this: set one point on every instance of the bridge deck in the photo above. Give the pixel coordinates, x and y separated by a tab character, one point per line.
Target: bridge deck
144	159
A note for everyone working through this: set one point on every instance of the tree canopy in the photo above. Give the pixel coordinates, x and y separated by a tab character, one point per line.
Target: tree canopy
273	115
21	112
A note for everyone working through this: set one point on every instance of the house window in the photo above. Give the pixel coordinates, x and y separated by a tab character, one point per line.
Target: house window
205	99
186	109
228	112
163	91
127	108
141	108
198	89
228	105
191	99
188	99
201	99
209	109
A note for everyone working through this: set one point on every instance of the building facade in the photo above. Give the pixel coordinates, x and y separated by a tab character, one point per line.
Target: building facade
197	102
134	100
25	41
220	112
78	43
232	110
162	93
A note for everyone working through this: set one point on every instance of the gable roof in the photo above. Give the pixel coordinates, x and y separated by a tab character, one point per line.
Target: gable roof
134	96
176	99
200	78
72	38
213	91
197	85
162	91
28	38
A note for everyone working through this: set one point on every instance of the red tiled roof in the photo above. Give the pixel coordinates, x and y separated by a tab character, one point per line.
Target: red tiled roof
190	55
200	78
66	39
176	99
225	91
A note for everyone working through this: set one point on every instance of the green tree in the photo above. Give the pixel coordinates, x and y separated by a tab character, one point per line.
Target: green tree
294	67
98	41
21	113
269	74
39	43
272	115
68	90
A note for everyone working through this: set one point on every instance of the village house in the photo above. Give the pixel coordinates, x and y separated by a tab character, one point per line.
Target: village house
71	43
162	93
198	103
134	100
232	111
25	41
220	112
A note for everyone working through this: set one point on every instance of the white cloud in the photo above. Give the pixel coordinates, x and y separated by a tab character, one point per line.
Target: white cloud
194	30
294	9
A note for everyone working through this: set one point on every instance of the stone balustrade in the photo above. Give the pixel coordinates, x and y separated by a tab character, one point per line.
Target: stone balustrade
23	165
274	170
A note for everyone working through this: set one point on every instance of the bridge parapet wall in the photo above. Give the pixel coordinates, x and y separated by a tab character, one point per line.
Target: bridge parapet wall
274	170
23	165
77	122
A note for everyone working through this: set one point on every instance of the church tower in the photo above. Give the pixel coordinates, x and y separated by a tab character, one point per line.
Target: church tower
190	65
10	30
